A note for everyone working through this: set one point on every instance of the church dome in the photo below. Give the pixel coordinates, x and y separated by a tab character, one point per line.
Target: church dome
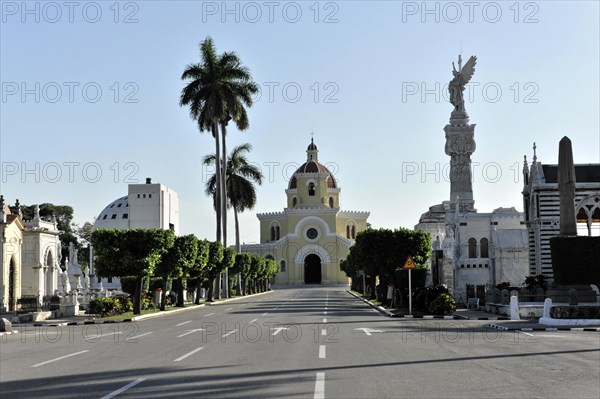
312	165
114	216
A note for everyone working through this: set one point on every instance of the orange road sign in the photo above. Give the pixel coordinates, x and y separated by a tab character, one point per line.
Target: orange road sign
410	263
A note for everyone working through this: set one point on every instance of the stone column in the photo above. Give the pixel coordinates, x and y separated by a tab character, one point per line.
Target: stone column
460	144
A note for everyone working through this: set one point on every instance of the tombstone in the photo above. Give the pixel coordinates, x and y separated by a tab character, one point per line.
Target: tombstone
539	294
504	297
497	296
489	296
573	298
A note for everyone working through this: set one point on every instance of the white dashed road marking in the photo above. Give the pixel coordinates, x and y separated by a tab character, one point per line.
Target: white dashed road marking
59	358
320	386
322	352
188	354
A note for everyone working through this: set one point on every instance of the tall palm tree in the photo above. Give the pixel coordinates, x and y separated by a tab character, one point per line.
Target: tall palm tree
239	183
220	88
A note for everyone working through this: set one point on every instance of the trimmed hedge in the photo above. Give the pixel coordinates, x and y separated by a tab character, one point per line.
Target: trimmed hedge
576	260
575	312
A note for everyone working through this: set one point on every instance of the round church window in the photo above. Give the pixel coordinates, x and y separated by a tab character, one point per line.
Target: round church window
312	233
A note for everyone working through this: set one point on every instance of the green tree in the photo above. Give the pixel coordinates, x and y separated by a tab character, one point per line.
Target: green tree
241	267
177	262
198	271
228	260
380	252
215	256
64	218
130	253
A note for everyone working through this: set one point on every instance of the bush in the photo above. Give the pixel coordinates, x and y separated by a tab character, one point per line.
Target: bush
147	301
443	304
110	306
575	312
423	298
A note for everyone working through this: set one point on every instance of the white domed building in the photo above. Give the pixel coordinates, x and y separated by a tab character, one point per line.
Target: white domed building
146	206
312	235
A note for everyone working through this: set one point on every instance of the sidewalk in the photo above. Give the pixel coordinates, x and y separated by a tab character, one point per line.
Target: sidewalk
91	319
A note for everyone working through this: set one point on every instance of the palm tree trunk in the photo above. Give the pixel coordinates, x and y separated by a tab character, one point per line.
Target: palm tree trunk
218	179
237	246
218	198
224	207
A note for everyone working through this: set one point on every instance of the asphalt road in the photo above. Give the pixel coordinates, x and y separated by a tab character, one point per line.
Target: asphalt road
309	343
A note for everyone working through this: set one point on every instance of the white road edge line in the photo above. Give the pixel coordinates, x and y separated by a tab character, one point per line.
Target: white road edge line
60	358
227	309
264	314
252	321
188	354
185	322
206	315
324	320
322	352
123	389
320	386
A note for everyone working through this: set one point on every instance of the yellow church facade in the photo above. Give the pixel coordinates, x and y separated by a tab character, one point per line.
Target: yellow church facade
312	235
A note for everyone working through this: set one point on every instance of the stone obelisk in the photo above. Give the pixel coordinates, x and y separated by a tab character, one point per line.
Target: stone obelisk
566	188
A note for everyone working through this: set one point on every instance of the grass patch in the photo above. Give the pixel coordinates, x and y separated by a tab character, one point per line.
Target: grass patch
129	315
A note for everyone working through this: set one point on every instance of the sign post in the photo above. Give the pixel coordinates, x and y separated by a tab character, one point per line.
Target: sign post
409	265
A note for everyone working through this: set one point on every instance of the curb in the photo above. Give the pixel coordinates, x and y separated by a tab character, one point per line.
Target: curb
371	304
458	316
399	316
504	328
238	297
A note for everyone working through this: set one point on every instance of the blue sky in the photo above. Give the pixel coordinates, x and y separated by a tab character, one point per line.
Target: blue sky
94	87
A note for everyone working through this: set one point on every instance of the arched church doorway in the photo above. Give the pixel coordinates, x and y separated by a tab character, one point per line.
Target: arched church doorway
312	269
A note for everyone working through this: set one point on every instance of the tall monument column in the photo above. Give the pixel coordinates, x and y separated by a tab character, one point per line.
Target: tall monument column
460	142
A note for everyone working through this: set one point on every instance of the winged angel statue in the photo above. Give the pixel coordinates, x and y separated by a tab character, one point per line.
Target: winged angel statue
462	76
